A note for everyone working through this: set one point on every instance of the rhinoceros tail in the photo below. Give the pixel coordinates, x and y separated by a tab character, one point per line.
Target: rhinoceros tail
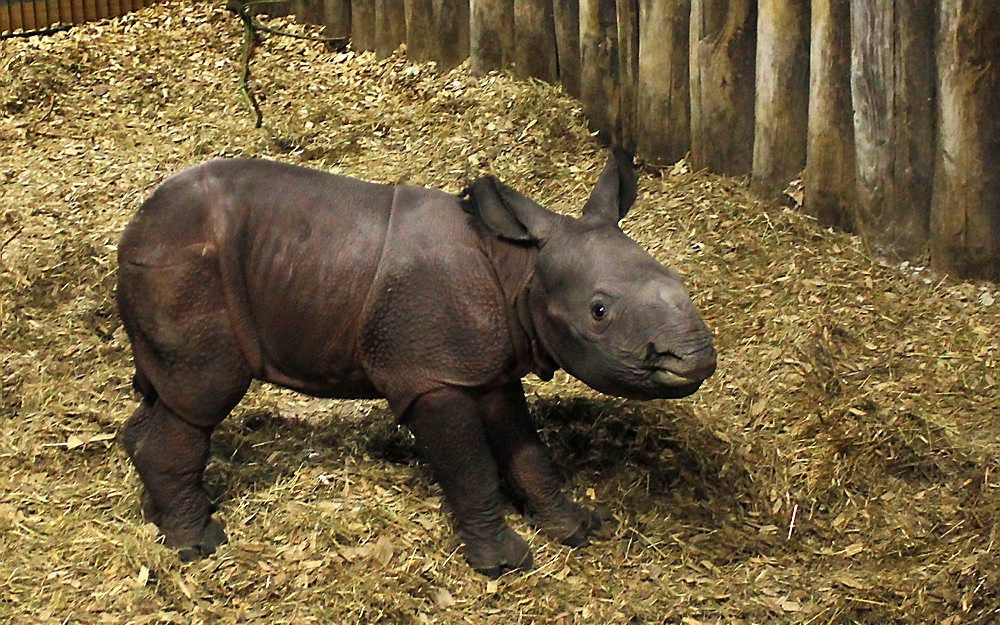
144	387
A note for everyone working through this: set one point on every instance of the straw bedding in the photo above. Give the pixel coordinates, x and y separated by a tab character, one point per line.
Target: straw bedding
843	465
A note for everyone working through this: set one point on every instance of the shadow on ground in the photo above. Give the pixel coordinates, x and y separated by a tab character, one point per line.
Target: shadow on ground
645	455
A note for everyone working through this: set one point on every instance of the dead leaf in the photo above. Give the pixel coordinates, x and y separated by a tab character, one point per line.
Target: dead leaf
443	598
383	550
790	605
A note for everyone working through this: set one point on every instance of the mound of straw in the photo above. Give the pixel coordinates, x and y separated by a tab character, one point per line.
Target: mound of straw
842	467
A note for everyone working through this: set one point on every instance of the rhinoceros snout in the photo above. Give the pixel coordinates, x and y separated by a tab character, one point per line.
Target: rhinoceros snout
691	362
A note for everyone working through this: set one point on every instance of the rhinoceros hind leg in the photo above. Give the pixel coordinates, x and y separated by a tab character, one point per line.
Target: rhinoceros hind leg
529	471
170	455
450	436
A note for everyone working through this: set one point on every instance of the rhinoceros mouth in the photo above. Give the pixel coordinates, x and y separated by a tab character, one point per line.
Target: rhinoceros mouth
669	385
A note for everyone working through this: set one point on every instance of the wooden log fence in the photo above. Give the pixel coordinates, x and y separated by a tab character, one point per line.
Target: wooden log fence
888	109
27	16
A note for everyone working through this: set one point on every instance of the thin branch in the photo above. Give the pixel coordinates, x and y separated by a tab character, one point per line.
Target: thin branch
251	26
248	43
13	235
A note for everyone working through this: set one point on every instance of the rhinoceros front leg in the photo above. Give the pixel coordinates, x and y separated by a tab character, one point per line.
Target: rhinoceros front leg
450	436
530	471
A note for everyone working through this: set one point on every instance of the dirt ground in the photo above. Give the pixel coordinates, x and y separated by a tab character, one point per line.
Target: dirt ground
843	466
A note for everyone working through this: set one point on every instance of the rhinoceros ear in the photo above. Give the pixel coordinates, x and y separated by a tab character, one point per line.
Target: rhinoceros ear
616	190
507	213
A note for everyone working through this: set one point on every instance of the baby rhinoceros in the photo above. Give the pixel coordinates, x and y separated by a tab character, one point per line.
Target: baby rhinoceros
236	270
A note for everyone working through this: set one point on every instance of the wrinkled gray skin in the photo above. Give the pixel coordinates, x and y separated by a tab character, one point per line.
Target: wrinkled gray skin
242	269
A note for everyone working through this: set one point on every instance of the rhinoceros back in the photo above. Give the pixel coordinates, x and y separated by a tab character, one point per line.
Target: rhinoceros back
294	252
330	285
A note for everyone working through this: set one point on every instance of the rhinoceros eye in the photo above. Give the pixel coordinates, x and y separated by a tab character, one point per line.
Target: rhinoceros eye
597	310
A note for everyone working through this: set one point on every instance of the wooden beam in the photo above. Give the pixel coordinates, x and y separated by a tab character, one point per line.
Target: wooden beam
892	85
830	179
452	20
363	24
535	40
5	18
965	213
491	39
390	26
337	18
722	84
628	68
421	30
663	113
566	15
782	94
600	79
76	11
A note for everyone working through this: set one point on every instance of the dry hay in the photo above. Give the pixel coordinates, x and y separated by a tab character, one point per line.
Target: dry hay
841	467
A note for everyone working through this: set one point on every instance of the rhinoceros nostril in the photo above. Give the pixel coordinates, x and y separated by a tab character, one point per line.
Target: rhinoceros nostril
656	356
696	361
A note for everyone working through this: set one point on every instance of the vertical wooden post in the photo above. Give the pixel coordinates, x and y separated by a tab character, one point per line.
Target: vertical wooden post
52	11
38	14
782	94
310	11
492	34
5	18
663	105
829	178
722	84
27	15
16	16
30	20
421	32
892	88
273	9
965	214
390	26
566	15
600	86
337	18
66	11
628	66
535	40
452	19
363	24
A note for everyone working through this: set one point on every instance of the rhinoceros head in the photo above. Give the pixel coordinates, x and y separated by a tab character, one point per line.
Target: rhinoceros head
604	309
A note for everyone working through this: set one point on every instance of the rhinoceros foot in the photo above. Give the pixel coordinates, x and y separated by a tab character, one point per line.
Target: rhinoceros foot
570	523
194	545
497	555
